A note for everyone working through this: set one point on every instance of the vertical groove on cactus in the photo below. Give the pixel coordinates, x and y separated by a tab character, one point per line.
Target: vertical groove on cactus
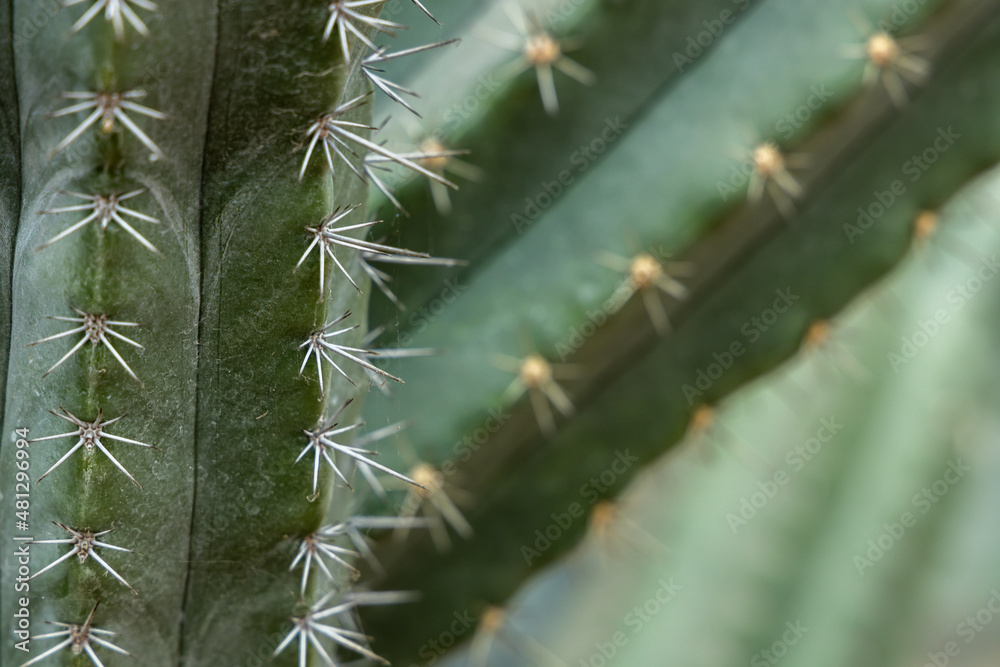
10	178
87	143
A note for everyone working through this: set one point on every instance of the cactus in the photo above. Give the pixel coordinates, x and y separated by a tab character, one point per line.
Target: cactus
176	218
661	201
671	187
813	504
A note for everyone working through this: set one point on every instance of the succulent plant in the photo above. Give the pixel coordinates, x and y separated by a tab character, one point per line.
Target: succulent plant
186	233
818	518
660	202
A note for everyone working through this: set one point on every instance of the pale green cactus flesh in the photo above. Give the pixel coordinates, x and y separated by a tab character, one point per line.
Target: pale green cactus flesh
676	153
818	500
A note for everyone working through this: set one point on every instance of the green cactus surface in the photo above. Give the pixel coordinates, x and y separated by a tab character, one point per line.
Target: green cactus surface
784	506
164	235
496	332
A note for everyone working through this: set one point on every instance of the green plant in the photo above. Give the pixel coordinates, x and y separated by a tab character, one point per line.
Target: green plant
162	299
820	518
685	204
669	186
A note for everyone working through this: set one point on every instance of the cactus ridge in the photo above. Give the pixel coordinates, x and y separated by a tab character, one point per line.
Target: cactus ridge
78	640
540	50
107	273
263	551
324	447
95	330
326	235
108	106
858	142
116	12
395	91
335	133
105	209
347	20
90	434
85	544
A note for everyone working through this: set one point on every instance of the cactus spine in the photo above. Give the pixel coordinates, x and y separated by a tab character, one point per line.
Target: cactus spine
164	287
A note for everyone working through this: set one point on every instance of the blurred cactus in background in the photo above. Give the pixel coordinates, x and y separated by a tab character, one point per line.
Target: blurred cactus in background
696	367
